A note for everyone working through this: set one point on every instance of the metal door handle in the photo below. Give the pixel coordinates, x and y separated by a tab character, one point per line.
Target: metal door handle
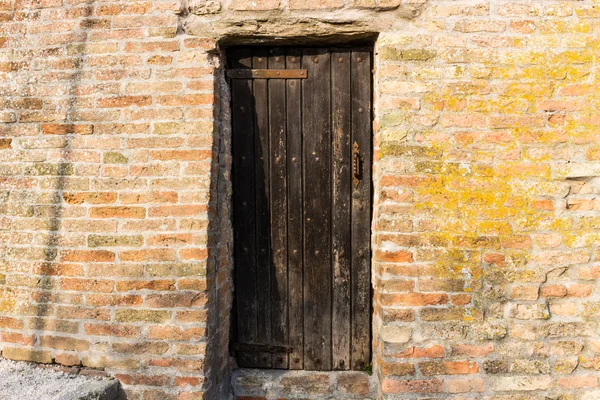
355	164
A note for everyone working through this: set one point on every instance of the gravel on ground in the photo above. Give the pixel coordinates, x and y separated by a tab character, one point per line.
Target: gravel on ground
27	381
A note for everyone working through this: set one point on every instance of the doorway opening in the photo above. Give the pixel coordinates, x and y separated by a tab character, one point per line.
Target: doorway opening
302	206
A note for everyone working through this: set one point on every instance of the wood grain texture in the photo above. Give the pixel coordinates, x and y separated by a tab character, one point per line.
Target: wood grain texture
340	207
244	206
316	127
295	212
278	208
361	211
262	199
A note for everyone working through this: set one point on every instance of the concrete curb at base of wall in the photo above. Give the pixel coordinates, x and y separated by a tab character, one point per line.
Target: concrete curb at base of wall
98	390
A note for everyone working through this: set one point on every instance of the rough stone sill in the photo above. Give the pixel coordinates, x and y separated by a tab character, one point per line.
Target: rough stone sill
268	384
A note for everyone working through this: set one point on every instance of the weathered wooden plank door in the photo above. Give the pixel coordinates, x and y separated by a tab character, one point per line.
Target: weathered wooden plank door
302	161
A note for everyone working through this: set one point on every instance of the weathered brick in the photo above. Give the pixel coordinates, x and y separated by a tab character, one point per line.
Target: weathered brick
64	343
396	334
27	354
148	255
520	383
124	101
412	386
87	255
112	330
448	367
141	316
114	157
64	129
117	212
473	350
110	241
465	385
315	384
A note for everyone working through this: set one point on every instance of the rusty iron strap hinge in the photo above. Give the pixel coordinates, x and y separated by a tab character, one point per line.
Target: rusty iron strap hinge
267	73
261	348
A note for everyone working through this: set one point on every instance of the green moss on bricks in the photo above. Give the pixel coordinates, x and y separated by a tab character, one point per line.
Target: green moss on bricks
394	149
39	169
111	241
113	157
394	54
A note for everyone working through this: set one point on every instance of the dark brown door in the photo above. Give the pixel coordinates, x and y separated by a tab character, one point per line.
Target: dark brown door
302	207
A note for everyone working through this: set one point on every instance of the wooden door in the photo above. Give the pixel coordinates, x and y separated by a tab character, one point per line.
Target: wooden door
302	161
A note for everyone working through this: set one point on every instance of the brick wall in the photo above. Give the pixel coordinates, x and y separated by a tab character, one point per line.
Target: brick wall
486	252
110	229
114	190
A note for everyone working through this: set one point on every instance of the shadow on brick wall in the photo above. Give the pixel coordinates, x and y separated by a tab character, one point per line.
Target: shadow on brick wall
62	168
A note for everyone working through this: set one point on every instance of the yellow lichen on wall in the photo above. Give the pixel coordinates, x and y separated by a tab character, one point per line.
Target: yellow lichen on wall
487	157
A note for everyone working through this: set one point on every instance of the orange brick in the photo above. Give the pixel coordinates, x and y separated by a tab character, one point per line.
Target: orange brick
473	350
542	204
185	100
461	299
187	381
65	129
175	300
176	333
394	256
87	285
124	101
118	330
68	359
148	255
64	343
579	290
193	254
176	211
414	299
181	155
87	255
553	291
448	367
146	380
435	351
26	354
13	337
578	382
117	212
90	197
412	386
10	323
157	285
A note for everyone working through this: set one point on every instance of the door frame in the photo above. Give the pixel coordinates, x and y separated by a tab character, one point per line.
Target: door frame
227	127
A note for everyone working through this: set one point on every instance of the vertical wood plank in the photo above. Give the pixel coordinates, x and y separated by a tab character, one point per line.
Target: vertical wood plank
361	210
278	208
295	212
340	205
263	245
244	206
316	130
